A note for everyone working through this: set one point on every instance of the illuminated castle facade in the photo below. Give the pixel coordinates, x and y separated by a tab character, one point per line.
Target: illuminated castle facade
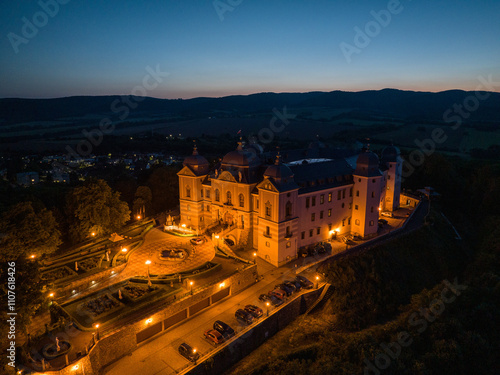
279	207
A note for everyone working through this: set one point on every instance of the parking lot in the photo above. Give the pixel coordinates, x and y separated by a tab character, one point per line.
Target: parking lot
160	355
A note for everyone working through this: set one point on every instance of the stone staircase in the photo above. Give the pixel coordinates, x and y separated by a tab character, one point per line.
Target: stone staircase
245	240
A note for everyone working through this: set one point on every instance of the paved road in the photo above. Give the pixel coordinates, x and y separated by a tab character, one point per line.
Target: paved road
161	355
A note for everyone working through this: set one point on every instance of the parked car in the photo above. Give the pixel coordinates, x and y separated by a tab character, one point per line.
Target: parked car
214	336
306	284
244	316
264	297
189	352
387	213
382	221
285	288
254	310
196	241
290	285
223	329
275	301
228	242
279	293
298	285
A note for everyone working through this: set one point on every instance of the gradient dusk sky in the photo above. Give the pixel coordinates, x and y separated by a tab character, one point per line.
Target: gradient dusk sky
103	47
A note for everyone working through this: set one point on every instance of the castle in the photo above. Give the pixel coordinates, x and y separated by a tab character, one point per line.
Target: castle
279	207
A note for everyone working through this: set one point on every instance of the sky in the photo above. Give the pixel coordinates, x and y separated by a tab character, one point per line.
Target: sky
57	48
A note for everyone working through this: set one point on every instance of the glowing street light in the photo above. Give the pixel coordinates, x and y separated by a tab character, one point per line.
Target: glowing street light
267	308
138	217
191	284
92	234
124	250
254	258
32	256
317	282
96	326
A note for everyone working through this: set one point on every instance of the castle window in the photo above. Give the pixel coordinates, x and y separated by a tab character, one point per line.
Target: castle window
307	202
329	197
350	192
343	205
268	232
321	214
288	209
242	200
349	221
389	177
288	233
371	209
208	208
313	201
313	216
357	193
329	212
288	244
189	207
322	199
339	195
371	223
373	181
373	194
268	209
343	194
217	195
356	222
318	230
188	192
202	207
257	202
228	195
208	193
201	193
356	207
311	232
302	235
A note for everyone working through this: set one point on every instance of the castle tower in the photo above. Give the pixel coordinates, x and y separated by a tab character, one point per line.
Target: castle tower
366	194
277	229
190	190
392	164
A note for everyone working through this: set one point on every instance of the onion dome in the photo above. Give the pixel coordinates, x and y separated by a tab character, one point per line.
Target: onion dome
197	163
241	157
390	154
278	171
367	165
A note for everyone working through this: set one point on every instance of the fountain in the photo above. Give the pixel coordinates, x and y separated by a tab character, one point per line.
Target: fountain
51	351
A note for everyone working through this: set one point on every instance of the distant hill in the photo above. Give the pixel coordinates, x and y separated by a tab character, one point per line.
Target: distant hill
407	105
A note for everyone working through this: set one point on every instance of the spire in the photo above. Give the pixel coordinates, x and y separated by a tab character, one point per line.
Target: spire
195	149
240	144
278	156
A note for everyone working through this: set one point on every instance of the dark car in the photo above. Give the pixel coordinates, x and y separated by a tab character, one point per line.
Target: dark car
189	352
264	297
275	300
298	285
228	242
382	222
306	284
223	329
285	288
290	285
254	310
244	316
214	336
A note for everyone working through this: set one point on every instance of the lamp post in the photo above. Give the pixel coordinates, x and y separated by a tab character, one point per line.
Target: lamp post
267	308
148	262
191	284
317	282
254	258
96	326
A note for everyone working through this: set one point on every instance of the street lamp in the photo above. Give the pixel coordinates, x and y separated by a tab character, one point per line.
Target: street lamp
254	258
267	308
317	282
191	284
138	217
96	326
148	262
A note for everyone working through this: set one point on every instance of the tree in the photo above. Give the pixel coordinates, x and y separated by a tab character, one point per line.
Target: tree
142	201
28	231
164	185
95	208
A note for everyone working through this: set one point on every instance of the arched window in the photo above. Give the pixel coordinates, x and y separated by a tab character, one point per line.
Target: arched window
288	209
268	208
217	195
188	192
228	194
242	200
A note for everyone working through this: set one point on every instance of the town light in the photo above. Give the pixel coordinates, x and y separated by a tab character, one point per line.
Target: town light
191	284
76	367
148	262
32	256
183	225
124	250
51	295
138	217
222	285
267	308
149	320
93	234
